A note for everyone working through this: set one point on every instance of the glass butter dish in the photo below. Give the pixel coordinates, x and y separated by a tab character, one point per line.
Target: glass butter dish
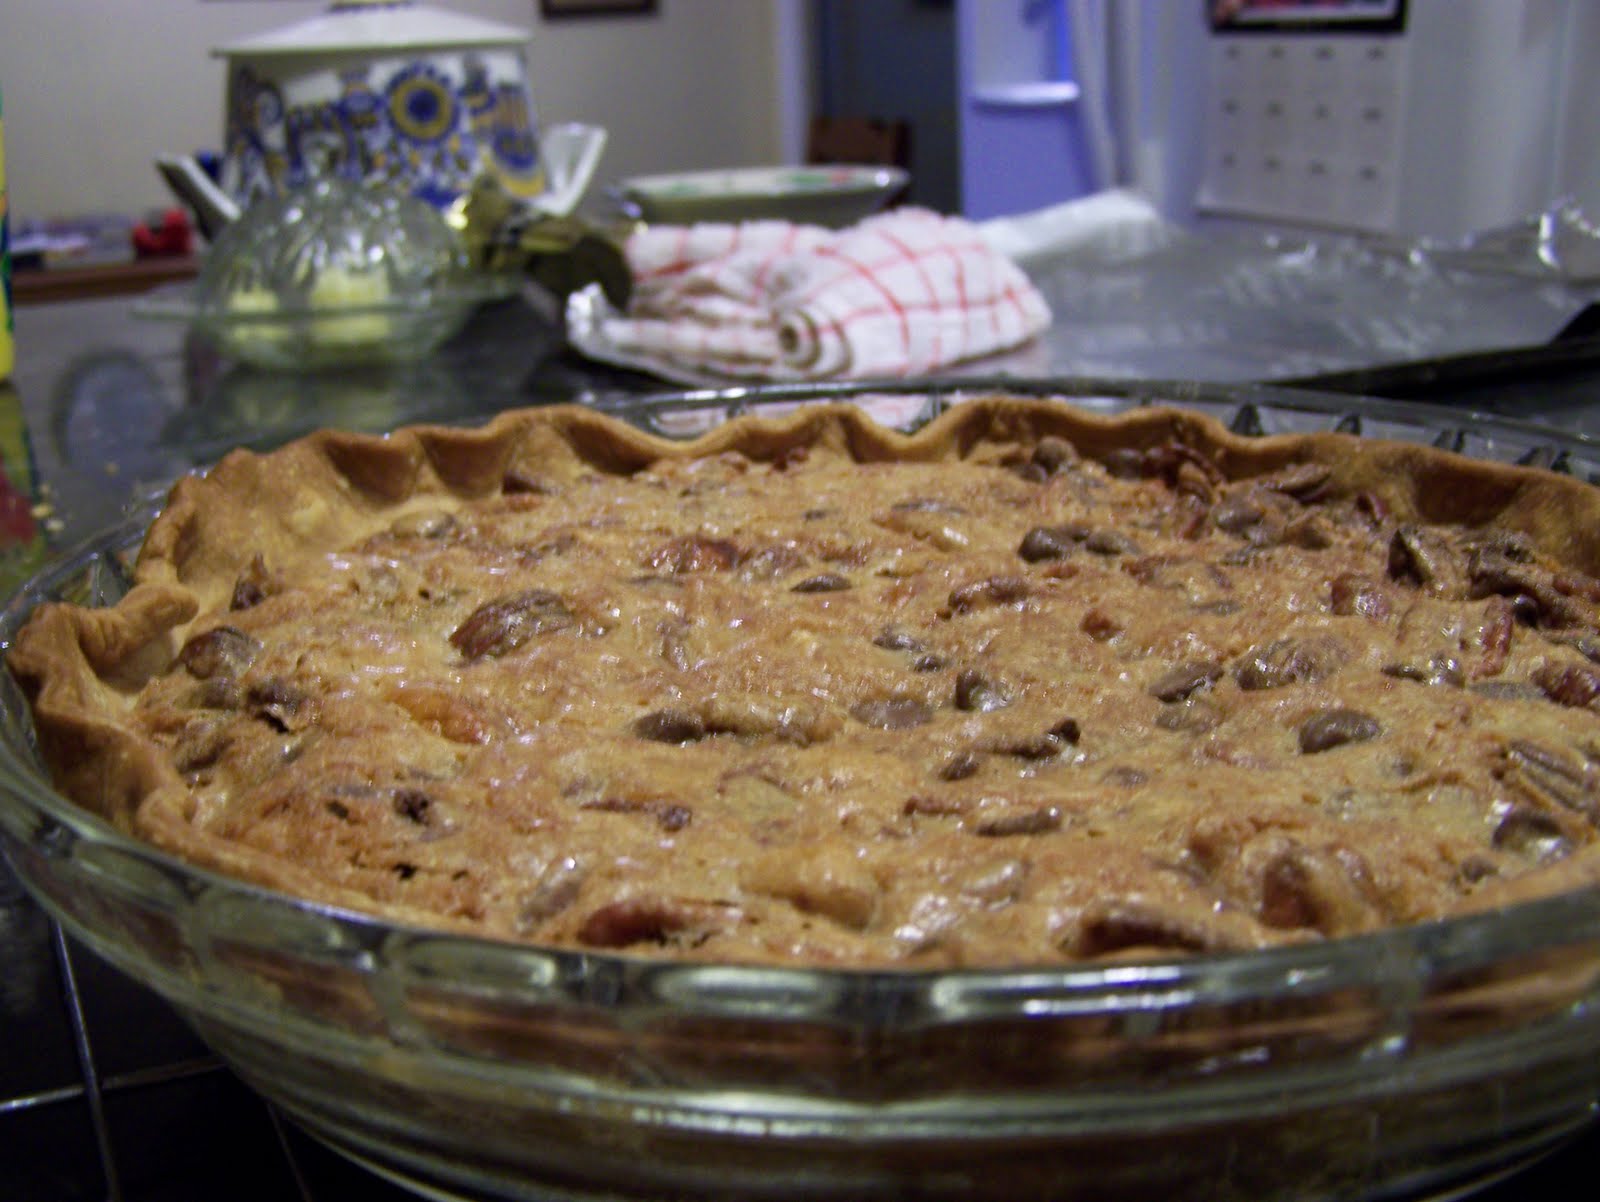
330	274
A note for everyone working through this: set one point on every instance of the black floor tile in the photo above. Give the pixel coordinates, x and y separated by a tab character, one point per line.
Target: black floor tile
330	1177
199	1139
47	1155
131	1029
1566	1175
39	1050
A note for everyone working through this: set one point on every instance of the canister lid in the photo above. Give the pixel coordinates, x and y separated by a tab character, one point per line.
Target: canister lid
368	26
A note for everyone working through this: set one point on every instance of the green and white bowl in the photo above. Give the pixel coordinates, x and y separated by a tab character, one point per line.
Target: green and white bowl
834	196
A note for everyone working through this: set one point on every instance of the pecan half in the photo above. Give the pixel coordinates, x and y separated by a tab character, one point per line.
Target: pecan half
976	692
695	554
1572	685
1354	595
425	524
1290	661
825	582
1325	889
1051	542
1531	832
1495	638
1422	556
1110	542
1125	924
220	651
994	590
1440	669
200	745
1303	481
1013	821
1044	746
653	918
670	726
1495	570
892	638
1237	514
1330	728
500	626
1186	679
960	766
1547	776
281	704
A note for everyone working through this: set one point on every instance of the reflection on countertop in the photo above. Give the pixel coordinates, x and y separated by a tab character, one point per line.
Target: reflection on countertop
105	408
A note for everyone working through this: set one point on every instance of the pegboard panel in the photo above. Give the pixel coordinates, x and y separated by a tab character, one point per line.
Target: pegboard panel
1306	128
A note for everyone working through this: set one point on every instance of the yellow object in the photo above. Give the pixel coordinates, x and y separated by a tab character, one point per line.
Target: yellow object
340	288
7	353
25	511
257	302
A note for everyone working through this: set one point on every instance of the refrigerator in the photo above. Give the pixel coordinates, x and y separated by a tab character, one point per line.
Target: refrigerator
1433	118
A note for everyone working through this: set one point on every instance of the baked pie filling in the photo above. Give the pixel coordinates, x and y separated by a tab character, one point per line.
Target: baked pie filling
1027	687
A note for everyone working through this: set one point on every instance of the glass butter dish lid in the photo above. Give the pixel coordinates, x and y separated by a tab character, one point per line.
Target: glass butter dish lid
336	272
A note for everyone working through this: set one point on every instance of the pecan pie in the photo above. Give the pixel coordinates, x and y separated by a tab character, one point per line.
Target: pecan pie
1030	685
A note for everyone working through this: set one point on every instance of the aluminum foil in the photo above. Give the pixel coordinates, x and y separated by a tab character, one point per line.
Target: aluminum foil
1134	296
1243	304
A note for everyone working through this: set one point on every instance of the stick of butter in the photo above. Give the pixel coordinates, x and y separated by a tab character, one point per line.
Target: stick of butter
340	288
257	302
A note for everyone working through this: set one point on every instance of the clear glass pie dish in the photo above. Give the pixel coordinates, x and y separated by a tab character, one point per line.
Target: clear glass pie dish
1411	1061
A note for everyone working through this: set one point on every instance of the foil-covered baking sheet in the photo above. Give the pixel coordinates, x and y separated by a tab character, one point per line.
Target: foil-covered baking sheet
1243	303
1134	296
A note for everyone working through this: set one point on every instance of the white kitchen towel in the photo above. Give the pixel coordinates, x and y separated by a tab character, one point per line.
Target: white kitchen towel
900	294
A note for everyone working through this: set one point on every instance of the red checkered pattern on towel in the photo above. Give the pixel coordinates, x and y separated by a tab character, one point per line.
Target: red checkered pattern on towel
904	293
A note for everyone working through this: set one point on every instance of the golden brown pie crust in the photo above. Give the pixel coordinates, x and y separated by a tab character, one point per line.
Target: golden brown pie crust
1029	685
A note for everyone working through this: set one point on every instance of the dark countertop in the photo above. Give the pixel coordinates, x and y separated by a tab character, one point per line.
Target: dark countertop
104	1092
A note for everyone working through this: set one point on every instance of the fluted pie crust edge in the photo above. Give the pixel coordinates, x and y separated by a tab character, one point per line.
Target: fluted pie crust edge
273	519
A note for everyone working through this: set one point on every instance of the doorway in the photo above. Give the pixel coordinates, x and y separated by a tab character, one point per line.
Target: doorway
895	61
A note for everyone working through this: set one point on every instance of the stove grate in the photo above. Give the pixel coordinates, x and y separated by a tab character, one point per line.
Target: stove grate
107	1096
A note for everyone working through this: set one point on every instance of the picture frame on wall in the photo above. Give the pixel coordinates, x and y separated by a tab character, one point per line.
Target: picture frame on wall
558	9
1306	16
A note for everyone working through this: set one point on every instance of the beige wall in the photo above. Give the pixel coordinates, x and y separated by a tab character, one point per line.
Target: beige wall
94	89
